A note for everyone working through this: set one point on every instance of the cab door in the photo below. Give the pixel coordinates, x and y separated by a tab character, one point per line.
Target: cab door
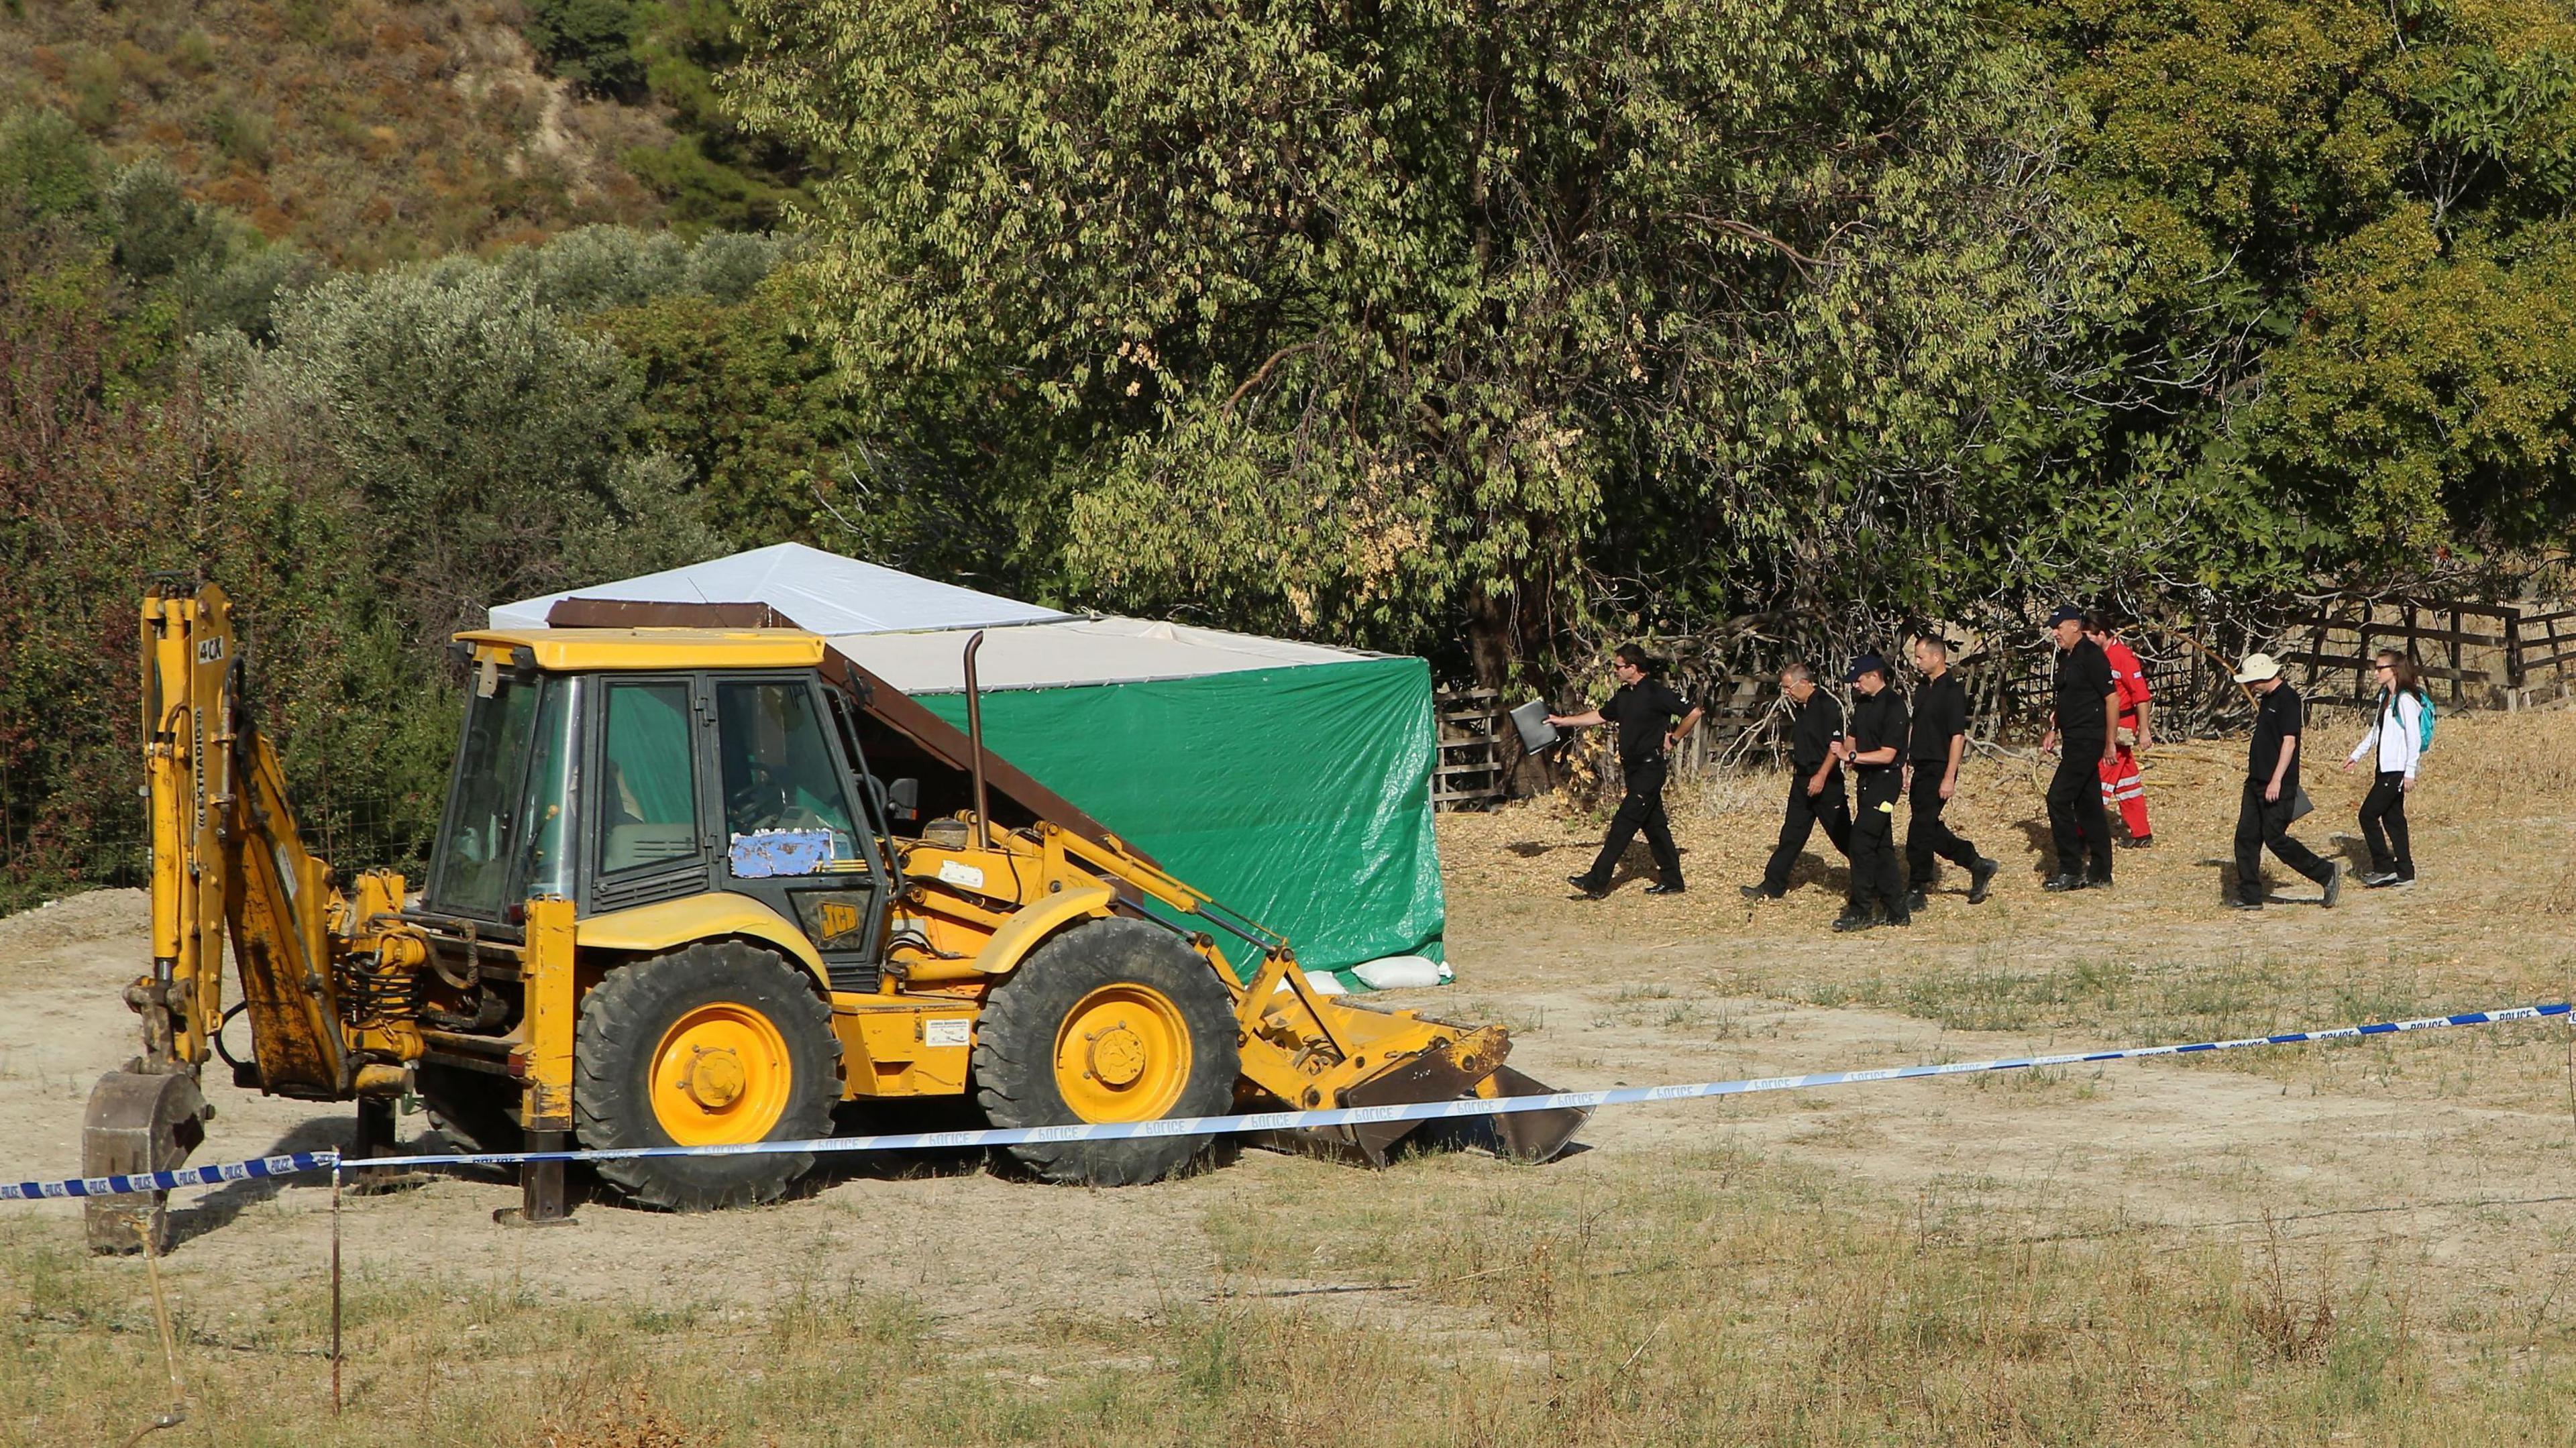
788	818
650	838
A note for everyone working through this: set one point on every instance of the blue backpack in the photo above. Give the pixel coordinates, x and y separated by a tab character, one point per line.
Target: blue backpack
2423	718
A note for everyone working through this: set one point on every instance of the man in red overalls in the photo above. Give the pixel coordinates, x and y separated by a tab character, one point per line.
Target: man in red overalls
2122	786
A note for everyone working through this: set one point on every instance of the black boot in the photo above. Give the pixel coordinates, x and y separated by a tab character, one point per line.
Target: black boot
1981	875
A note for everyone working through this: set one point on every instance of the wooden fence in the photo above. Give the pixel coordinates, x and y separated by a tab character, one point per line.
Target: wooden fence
1468	770
2483	655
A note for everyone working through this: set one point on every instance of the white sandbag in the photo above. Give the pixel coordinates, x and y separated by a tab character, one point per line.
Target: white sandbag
1321	982
1395	972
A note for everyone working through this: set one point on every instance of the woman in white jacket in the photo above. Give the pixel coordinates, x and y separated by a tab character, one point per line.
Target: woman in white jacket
2397	734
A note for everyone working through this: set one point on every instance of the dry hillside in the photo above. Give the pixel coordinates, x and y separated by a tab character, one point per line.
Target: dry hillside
366	130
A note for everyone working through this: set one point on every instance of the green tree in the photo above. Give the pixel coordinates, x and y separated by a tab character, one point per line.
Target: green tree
2351	224
718	172
590	43
1371	323
751	402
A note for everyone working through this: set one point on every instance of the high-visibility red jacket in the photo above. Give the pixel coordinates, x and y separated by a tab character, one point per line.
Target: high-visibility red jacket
2129	678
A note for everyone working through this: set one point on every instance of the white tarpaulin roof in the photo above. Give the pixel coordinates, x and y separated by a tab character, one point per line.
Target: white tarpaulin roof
821	591
1078	651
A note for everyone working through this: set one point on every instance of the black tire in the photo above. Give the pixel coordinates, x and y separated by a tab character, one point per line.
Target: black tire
623	1022
474	1109
1016	1039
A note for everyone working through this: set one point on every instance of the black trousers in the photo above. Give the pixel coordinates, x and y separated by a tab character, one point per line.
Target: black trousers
1641	808
1875	874
2265	824
2075	820
1829	807
2383	826
1927	835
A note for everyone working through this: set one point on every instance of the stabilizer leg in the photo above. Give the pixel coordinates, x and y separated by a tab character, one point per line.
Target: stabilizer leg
542	1202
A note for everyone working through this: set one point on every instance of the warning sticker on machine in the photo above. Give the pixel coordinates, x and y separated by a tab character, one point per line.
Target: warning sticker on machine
964	877
959	1032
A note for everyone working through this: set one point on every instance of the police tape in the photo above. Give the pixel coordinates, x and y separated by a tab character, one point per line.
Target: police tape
284	1164
1471	1107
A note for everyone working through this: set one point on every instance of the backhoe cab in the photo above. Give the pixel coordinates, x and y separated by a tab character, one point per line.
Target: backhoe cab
668	904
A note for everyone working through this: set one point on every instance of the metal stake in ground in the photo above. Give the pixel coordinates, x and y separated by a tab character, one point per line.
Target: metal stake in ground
335	1289
178	1413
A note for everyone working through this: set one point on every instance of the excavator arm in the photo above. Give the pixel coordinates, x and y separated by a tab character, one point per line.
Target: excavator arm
227	864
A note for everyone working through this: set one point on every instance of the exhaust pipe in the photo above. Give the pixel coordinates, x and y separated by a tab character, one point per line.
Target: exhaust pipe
975	741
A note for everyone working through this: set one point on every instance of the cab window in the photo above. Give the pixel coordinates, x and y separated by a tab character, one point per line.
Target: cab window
779	772
648	780
471	871
541	819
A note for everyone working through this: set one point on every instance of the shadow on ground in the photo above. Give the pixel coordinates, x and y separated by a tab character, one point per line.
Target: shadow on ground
218	1209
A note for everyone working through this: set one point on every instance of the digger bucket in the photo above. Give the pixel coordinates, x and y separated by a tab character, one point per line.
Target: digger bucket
138	1121
1456	1068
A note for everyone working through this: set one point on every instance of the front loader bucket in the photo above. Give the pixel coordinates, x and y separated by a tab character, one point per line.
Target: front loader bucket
1531	1136
1456	1068
138	1121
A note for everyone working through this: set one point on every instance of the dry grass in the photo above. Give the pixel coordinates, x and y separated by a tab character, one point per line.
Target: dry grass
1716	1297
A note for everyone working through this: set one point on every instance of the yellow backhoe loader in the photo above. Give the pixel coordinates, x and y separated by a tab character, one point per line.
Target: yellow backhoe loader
670	904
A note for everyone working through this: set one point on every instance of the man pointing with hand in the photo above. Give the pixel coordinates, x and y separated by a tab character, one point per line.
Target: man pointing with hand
1641	707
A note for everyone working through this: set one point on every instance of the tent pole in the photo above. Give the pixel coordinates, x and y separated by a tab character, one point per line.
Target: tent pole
975	740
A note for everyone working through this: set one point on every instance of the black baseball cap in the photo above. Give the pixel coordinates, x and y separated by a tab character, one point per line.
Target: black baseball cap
1866	664
2067	614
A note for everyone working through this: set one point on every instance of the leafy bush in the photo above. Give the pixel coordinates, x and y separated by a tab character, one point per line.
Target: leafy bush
46	164
595	268
156	229
96	80
244	136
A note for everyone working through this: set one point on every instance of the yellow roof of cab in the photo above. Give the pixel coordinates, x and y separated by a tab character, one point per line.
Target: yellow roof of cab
577	650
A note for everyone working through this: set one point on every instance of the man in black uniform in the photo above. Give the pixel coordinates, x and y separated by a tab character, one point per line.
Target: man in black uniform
1877	756
2271	788
1938	742
1815	780
2087	701
1641	707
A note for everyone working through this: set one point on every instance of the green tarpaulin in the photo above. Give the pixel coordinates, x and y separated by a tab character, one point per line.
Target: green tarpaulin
1299	796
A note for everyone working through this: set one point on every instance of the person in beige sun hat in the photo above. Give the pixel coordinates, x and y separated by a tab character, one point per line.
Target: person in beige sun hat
2272	789
2258	668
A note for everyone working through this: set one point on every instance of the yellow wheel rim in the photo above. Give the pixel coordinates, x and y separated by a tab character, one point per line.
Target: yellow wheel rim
1122	1054
720	1076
